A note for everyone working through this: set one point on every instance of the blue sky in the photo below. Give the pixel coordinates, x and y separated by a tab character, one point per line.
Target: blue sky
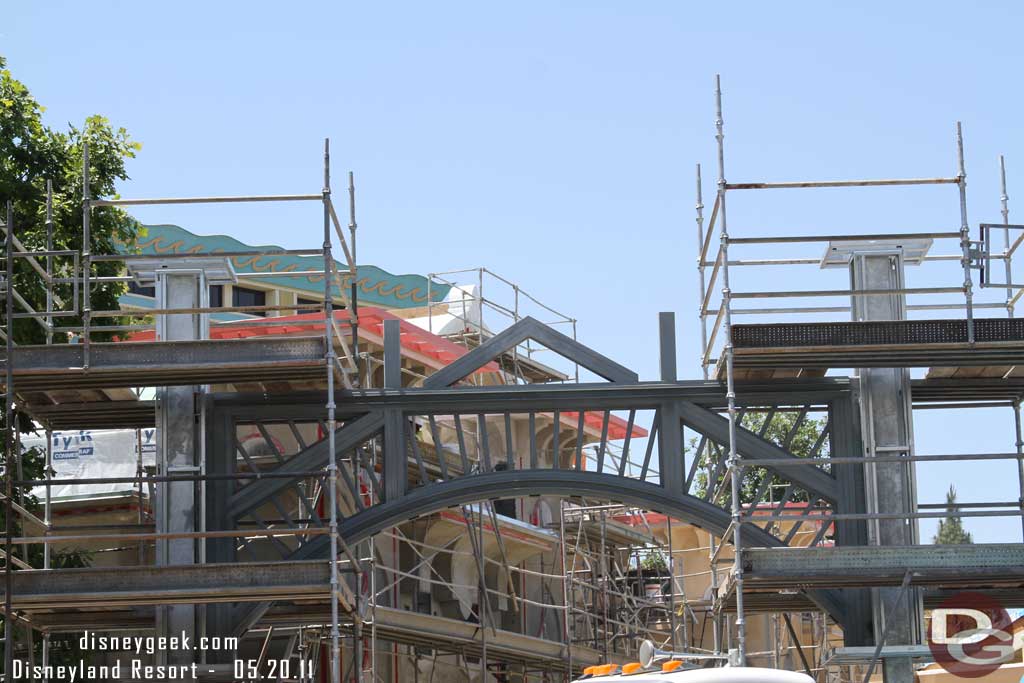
555	142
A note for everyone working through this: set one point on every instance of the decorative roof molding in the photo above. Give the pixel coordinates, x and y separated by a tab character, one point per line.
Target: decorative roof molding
376	286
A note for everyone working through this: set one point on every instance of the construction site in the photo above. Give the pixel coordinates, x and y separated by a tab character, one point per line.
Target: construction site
318	471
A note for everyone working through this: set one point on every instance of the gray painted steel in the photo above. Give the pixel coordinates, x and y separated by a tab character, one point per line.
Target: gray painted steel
127	364
887	424
314	457
182	585
995	564
754	447
529	328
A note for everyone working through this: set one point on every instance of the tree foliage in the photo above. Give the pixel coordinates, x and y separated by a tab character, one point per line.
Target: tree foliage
31	153
951	530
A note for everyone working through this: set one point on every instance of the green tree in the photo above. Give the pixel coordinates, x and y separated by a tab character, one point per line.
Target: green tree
788	429
32	153
951	530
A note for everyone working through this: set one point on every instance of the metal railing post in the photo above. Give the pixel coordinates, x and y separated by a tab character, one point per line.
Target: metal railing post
86	254
1019	443
965	232
700	270
9	447
354	278
1004	209
49	261
332	464
735	470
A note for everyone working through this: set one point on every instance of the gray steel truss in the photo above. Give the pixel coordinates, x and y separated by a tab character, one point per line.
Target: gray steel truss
375	445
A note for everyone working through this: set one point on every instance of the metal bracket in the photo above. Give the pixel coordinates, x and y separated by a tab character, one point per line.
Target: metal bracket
985	256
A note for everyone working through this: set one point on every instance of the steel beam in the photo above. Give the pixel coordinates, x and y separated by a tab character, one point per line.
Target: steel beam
563	483
314	457
530	328
845	441
525	398
966	566
755	448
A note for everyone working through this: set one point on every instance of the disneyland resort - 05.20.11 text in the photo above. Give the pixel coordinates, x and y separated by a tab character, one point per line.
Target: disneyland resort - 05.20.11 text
137	666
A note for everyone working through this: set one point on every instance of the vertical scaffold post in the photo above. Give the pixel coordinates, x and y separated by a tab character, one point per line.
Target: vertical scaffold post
965	231
567	613
1019	443
733	463
48	522
354	279
49	261
1004	208
8	446
86	255
700	272
576	365
332	463
48	464
673	618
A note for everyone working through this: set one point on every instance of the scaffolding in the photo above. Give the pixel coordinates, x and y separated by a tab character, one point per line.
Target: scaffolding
578	571
604	581
495	298
78	274
720	355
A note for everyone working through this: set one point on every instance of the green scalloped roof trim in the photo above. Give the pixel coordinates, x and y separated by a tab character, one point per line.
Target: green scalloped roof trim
376	286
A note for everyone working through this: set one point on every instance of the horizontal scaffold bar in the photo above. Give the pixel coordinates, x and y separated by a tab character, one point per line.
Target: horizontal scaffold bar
786	239
842	183
208	200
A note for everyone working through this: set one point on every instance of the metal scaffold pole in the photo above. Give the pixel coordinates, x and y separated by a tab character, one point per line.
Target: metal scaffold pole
735	470
373	611
8	446
1019	443
671	586
86	255
700	271
49	261
357	618
354	280
48	465
1004	209
332	464
965	231
567	613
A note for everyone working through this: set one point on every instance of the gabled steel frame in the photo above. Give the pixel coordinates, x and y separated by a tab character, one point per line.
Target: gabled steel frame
385	413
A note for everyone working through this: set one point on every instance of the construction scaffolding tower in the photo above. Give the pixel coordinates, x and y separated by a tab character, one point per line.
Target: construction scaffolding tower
966	357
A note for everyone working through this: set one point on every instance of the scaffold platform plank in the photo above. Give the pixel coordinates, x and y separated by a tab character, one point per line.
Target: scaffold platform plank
132	364
100	587
945	389
998	343
139	414
987	565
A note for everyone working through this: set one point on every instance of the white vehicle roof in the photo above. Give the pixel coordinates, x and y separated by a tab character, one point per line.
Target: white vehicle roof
727	674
